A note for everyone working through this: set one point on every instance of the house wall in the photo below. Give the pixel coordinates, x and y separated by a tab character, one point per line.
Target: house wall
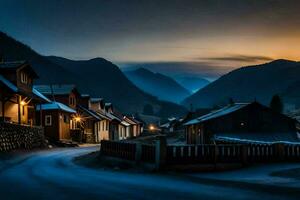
59	129
24	86
113	131
51	132
122	132
64	125
102	132
253	118
11	111
89	131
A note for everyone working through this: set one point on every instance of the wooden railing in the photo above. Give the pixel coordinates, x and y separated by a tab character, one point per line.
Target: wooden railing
148	153
118	149
202	154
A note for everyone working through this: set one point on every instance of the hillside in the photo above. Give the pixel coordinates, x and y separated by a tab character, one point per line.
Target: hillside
99	77
193	84
49	72
159	85
258	82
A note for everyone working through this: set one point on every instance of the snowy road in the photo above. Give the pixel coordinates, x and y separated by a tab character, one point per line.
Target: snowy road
52	175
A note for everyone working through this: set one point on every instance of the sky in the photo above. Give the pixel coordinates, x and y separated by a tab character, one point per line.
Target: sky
176	37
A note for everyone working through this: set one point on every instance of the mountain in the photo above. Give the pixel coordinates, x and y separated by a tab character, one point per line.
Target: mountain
159	85
99	77
49	72
193	84
245	84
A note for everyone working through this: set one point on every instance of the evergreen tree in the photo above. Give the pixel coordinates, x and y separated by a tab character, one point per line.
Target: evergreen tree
276	104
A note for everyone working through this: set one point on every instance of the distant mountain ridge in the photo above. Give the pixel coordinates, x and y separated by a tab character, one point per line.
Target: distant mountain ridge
246	84
157	84
49	72
193	84
97	77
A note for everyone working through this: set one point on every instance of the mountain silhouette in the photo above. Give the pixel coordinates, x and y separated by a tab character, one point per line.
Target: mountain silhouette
246	84
157	84
97	77
193	84
49	72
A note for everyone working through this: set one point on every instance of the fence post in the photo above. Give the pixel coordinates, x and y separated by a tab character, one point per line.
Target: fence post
160	152
216	155
279	151
138	152
244	154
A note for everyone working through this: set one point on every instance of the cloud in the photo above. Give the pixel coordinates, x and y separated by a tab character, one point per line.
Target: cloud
238	58
180	69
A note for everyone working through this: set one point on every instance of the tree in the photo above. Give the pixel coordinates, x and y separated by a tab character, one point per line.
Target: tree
148	109
276	104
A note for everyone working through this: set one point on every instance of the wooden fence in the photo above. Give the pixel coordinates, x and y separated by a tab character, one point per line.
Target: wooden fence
118	149
148	153
202	154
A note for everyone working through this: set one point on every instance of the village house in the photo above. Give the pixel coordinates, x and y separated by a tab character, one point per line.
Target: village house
241	123
18	99
69	96
93	119
176	125
136	127
114	125
97	106
55	119
95	123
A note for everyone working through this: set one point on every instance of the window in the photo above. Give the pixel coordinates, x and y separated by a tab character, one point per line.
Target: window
24	78
48	120
66	119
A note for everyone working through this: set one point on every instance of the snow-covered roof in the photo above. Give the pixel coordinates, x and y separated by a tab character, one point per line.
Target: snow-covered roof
8	84
125	123
262	138
218	113
37	93
55	106
85	95
165	125
58	89
94	100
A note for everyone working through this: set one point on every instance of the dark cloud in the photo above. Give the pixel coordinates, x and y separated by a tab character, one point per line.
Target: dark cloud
239	58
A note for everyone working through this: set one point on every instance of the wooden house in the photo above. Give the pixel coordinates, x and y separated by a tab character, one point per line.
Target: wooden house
241	123
55	119
18	99
136	127
68	95
97	106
